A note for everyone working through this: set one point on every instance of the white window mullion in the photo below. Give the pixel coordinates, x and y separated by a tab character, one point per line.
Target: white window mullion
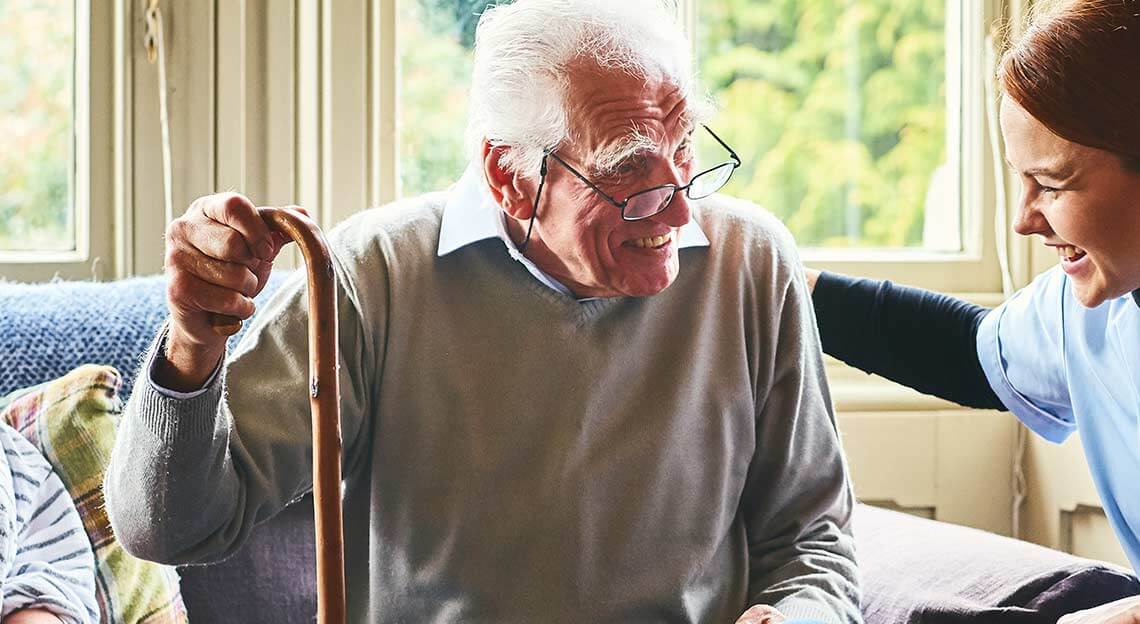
122	148
190	40
687	14
233	79
307	71
384	180
344	109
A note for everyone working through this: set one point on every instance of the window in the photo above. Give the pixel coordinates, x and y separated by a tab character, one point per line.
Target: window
435	38
59	81
37	93
839	110
861	123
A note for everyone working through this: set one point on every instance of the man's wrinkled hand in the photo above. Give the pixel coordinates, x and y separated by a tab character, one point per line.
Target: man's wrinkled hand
1125	611
761	614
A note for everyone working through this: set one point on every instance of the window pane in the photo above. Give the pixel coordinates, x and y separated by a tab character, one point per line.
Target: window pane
435	72
36	95
838	110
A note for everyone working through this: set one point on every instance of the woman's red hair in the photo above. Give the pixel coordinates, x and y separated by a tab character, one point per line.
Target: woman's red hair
1076	69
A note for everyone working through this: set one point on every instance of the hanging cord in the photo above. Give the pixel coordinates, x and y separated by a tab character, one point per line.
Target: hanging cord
1001	233
156	52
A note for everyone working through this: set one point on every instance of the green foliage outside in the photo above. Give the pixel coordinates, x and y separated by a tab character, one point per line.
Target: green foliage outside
837	107
36	41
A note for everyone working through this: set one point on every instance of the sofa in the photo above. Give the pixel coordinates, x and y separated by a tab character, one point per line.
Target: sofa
914	570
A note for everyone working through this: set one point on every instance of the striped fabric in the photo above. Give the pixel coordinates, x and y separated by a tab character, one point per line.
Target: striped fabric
45	558
71	421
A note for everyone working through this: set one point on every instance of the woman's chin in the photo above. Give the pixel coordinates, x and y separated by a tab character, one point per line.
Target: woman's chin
1092	292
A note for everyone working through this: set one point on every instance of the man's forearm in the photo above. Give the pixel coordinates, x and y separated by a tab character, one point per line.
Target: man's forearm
171	483
185	365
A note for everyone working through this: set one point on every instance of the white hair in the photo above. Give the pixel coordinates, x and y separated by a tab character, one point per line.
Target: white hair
523	53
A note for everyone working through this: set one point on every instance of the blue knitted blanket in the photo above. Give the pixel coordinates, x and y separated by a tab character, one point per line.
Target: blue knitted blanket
48	329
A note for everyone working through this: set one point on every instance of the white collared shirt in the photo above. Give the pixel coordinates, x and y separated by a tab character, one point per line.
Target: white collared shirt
471	215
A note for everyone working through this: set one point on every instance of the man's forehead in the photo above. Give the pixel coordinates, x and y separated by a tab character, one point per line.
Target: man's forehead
612	138
611	107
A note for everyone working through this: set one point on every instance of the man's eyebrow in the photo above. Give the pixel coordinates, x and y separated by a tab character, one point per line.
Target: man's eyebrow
609	159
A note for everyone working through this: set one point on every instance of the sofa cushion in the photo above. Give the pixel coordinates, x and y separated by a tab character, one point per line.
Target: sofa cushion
916	570
72	422
48	329
271	579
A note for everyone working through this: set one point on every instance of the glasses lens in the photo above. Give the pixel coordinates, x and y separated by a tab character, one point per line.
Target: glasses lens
648	203
710	181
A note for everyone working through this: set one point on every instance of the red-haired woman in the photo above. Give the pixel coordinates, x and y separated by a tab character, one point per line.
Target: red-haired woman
1063	354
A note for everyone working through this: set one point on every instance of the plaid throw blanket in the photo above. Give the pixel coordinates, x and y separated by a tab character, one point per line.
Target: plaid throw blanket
72	422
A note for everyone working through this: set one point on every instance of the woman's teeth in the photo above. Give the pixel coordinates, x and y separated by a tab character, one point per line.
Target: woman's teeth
652	241
1070	253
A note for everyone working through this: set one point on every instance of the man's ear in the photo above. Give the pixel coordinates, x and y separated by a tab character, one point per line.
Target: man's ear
508	189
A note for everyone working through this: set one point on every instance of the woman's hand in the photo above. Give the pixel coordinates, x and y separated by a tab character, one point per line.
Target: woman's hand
1125	611
761	614
32	616
812	276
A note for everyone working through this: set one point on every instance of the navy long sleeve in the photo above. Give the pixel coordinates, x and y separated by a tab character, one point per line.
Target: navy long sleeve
918	338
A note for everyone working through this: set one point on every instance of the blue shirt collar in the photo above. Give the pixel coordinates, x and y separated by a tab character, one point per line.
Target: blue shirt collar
471	215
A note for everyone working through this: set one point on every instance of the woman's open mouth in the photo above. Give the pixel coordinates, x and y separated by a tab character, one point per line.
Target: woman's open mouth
1074	260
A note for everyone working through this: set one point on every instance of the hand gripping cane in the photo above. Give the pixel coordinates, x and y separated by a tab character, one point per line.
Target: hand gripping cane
324	397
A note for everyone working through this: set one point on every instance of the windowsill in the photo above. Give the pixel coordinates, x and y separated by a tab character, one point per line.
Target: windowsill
853	391
886	255
41	257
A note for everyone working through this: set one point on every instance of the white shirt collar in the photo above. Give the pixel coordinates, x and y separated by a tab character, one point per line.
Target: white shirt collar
471	215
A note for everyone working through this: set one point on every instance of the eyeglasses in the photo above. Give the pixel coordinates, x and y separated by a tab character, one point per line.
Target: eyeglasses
651	201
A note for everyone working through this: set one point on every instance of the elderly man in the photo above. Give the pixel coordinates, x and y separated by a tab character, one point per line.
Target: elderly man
571	391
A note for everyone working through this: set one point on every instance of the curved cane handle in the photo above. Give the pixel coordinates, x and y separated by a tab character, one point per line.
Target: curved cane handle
324	398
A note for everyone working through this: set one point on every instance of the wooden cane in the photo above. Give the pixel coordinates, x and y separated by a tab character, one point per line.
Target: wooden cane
324	398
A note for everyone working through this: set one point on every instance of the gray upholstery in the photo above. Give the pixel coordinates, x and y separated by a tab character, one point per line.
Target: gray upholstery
917	570
271	580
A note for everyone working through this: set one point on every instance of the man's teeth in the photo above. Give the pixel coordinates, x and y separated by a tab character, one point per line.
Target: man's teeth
652	241
1068	252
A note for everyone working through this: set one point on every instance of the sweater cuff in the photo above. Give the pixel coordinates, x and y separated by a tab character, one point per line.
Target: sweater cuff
177	417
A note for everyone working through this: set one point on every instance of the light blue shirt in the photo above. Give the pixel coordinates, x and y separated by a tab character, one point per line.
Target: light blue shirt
471	215
1061	367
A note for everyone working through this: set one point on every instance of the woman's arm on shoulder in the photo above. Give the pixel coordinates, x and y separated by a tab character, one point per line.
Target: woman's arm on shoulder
921	339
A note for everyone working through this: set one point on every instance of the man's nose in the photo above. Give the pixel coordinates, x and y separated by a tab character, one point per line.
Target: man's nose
678	212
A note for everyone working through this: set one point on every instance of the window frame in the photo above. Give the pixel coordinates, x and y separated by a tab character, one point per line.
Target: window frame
274	98
973	272
93	125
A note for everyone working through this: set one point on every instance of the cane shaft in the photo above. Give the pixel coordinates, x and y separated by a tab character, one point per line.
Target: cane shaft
324	399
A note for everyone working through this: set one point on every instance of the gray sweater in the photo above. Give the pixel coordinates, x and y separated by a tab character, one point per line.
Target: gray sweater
512	455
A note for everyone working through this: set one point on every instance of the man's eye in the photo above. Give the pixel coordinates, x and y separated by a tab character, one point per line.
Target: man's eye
684	151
